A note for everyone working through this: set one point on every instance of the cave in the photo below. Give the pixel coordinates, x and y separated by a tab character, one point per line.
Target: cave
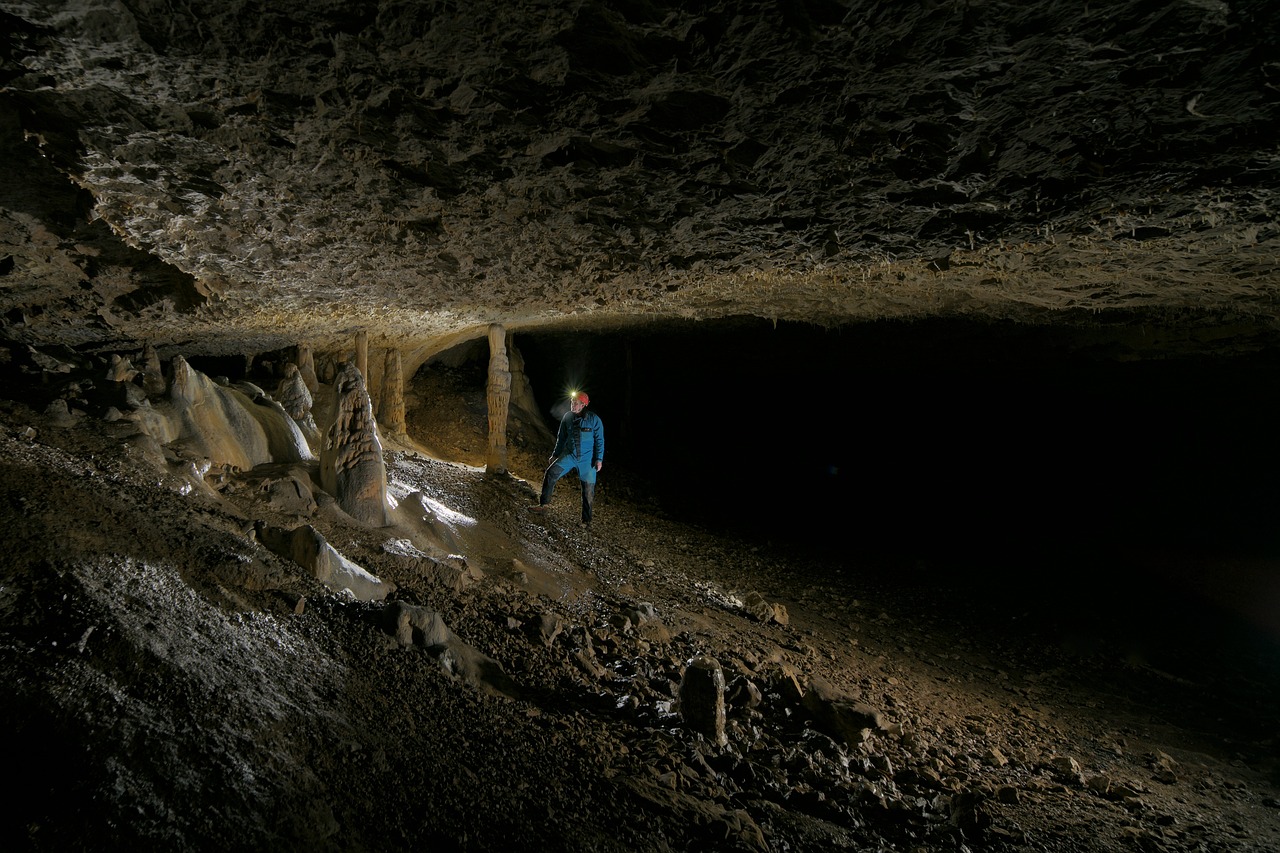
935	347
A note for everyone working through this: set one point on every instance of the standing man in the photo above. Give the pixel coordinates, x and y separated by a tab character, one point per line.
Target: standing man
579	446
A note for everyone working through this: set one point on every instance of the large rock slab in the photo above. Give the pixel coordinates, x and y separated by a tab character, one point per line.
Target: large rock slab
308	548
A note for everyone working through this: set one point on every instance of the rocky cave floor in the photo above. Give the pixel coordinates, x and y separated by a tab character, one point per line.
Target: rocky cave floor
171	684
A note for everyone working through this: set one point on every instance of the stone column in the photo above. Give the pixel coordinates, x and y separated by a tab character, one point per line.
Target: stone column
499	394
391	402
362	355
307	368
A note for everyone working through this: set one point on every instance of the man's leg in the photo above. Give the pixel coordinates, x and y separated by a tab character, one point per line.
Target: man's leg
588	495
555	471
587	474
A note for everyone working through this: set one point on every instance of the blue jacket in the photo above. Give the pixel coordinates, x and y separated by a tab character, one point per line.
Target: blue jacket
581	436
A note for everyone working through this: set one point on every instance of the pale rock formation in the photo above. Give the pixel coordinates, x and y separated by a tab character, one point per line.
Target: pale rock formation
221	424
295	397
152	373
351	466
306	547
307	368
120	369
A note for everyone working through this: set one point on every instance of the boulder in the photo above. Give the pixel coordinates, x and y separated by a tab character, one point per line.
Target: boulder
838	714
702	699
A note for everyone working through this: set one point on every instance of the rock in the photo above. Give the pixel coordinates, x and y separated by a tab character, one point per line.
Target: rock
222	424
153	382
421	627
351	465
120	370
995	758
586	661
1067	769
642	613
1164	766
839	715
548	628
306	547
701	696
57	414
290	494
743	693
765	612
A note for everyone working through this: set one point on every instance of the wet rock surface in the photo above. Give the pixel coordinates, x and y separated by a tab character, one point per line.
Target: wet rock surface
528	684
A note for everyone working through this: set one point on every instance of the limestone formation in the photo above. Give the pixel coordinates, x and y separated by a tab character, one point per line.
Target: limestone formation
499	400
391	400
294	396
362	353
307	368
351	464
120	370
152	373
222	424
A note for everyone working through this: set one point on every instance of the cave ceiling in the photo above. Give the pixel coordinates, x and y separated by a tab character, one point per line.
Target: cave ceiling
242	176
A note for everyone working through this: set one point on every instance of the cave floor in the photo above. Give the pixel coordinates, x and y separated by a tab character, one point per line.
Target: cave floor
187	690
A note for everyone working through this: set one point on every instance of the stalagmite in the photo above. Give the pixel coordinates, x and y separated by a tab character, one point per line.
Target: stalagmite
307	368
499	395
351	466
391	401
152	373
293	395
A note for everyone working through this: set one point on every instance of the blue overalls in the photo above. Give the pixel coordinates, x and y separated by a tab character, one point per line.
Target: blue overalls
579	445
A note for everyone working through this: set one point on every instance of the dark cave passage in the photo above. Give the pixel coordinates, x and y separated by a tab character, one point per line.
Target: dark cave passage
933	437
1008	461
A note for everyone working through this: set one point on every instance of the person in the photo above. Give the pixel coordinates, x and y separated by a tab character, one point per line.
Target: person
580	447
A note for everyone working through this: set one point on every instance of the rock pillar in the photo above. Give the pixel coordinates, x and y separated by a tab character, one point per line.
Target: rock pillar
152	374
391	401
307	368
294	396
499	397
351	466
362	355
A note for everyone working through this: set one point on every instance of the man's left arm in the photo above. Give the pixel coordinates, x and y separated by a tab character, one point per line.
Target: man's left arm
597	434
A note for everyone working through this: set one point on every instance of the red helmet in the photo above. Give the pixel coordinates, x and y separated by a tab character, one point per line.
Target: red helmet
581	397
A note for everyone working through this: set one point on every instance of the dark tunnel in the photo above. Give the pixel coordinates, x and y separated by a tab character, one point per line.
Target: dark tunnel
1019	467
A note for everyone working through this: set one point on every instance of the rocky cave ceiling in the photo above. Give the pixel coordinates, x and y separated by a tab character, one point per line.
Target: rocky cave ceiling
242	176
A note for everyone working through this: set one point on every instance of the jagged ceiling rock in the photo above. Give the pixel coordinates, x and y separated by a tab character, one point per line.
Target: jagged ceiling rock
244	176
